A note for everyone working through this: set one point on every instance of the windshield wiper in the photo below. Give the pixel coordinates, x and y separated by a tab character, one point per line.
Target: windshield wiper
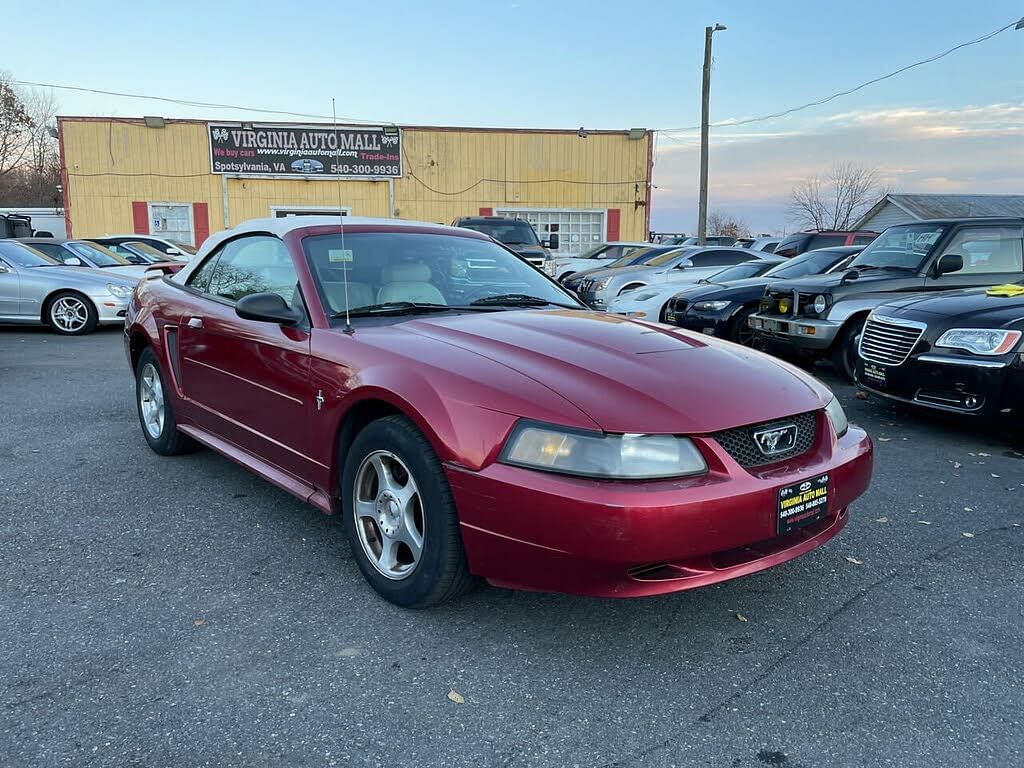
519	300
865	267
393	308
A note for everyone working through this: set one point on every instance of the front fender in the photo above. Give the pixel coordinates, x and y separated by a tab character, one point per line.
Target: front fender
844	309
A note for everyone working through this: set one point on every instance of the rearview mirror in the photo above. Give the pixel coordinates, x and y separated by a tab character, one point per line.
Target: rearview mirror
950	262
72	261
551	243
267	308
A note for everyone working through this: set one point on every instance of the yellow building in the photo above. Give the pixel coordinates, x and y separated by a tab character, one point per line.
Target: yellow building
184	179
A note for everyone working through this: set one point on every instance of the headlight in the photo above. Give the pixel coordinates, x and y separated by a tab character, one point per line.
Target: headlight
120	291
820	304
837	416
601	284
711	306
595	454
980	341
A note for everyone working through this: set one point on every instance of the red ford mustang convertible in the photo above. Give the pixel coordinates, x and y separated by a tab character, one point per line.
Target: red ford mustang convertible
466	416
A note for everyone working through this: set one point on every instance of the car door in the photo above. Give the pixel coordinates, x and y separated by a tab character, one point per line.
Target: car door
58	252
991	254
10	290
705	263
248	381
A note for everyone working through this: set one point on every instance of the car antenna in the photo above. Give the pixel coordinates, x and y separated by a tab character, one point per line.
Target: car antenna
347	258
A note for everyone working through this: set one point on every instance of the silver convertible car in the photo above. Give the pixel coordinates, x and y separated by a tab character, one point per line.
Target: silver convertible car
35	289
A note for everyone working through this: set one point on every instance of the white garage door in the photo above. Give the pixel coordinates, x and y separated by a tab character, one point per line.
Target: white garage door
577	231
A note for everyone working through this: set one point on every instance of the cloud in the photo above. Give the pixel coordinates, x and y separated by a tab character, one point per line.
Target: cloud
916	149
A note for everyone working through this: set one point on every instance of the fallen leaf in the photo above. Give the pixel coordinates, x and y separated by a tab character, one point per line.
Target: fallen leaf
968	535
993	474
925	522
957	465
884	439
1016	525
986	455
861	395
199	622
968	509
854	560
456	697
741	617
881	519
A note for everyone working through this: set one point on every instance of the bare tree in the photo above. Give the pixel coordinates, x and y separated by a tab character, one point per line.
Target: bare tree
837	199
721	223
29	159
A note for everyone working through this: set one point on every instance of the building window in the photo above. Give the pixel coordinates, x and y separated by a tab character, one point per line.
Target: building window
172	221
284	211
577	231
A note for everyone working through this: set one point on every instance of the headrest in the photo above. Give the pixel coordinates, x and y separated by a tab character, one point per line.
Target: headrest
406	272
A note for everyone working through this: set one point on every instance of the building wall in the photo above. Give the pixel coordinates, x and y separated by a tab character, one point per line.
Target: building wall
888	216
112	165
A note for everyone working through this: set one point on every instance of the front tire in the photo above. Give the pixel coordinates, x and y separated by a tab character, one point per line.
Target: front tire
740	330
71	314
156	416
844	351
399	516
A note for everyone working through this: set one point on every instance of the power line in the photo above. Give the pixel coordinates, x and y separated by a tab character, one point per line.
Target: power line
1019	24
201	104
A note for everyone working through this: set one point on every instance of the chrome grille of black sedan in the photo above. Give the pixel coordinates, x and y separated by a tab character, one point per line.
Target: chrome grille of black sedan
887	342
739	442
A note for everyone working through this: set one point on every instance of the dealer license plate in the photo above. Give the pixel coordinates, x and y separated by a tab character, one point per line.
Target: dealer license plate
802	503
774	326
874	374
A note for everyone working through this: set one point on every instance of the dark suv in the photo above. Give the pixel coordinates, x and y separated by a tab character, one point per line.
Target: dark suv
517	234
822	317
801	242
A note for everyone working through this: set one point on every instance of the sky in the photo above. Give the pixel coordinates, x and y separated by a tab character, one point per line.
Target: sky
956	125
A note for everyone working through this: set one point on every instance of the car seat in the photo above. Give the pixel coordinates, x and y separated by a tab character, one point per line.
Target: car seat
359	294
408	281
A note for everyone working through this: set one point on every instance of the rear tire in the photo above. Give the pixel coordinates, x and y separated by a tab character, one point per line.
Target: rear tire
399	516
156	417
71	314
844	350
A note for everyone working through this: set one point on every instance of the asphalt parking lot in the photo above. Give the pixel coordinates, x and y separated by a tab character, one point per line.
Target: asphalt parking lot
181	612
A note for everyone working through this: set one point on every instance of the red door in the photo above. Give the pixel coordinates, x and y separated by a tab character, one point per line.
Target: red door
248	381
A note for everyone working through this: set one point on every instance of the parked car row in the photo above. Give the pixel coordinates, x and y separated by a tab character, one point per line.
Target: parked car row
73	285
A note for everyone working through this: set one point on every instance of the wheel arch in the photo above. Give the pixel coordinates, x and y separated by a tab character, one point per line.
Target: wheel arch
858	316
630	287
44	306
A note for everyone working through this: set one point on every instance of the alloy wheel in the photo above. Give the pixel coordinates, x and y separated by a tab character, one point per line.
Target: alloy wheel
388	511
151	401
69	314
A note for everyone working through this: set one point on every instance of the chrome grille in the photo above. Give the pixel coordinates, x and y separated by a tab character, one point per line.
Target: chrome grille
739	442
887	341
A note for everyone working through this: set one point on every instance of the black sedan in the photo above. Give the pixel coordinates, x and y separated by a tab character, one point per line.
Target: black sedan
721	306
959	352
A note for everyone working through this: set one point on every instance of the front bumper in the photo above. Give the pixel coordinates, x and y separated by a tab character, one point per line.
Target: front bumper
983	388
111	309
802	335
710	323
533	530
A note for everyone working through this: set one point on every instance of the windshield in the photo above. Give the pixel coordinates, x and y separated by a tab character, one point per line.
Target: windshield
907	246
97	254
509	232
635	256
395	267
184	247
810	263
149	251
668	256
23	256
596	252
738	272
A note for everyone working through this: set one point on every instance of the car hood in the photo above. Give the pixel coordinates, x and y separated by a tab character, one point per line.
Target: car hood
132	270
834	280
605	272
973	306
632	376
753	286
82	276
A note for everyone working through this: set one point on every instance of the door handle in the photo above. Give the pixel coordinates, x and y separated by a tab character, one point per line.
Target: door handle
195	322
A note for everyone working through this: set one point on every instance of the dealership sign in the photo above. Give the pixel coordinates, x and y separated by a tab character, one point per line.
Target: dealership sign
255	149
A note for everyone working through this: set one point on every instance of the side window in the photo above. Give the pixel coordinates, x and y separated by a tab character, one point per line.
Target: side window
255	264
826	241
200	279
863	239
718	258
53	250
988	249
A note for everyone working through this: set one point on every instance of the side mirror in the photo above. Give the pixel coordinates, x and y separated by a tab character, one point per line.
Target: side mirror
551	243
267	308
684	264
950	262
4	269
72	261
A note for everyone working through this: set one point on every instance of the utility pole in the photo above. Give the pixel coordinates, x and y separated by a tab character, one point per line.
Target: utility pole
705	107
